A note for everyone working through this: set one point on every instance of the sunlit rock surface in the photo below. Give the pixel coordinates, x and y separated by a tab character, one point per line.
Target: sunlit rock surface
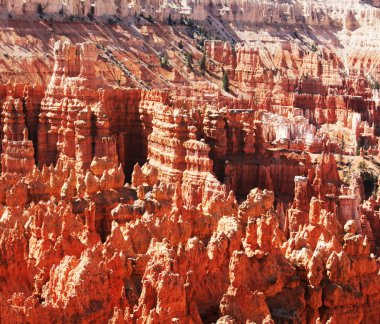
189	162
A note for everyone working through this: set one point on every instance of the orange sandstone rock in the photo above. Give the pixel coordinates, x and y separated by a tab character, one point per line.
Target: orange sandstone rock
186	203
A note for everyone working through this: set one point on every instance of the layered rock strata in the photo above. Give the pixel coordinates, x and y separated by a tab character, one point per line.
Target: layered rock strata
191	203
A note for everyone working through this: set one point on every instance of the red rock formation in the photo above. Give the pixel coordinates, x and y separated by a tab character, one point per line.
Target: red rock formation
237	208
73	121
17	150
298	214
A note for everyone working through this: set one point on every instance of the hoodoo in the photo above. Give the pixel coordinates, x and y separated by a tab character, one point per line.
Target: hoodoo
189	162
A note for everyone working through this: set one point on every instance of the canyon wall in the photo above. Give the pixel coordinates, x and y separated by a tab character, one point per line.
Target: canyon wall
147	176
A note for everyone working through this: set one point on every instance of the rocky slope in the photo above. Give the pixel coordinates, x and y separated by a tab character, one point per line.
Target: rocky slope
189	162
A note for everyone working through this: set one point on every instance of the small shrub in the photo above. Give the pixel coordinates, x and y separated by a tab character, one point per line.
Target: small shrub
201	42
191	23
189	59
150	19
164	62
362	166
112	21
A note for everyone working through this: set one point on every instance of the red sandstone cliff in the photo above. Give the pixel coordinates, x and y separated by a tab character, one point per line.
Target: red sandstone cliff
188	204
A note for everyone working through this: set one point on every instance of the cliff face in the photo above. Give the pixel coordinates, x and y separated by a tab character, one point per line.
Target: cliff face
138	186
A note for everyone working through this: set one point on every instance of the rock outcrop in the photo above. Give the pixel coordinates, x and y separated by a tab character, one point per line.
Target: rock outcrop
189	162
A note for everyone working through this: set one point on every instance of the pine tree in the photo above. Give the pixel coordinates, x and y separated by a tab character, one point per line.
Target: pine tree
202	63
233	49
226	82
170	20
40	9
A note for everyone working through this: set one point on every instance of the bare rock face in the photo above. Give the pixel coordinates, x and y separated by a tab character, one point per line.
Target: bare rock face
73	110
208	162
17	150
